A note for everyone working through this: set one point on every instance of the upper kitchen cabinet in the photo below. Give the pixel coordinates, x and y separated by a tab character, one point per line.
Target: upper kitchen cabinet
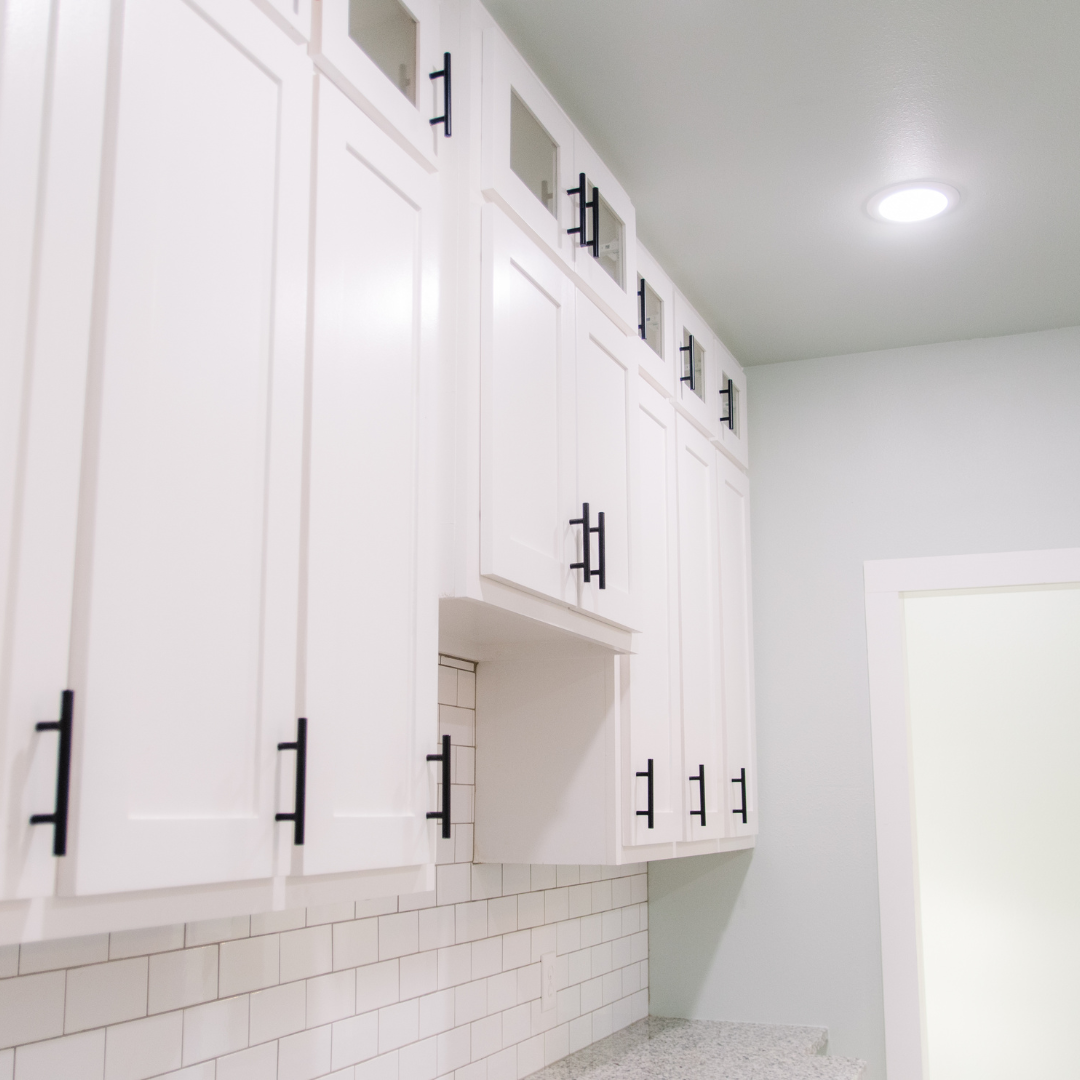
294	16
730	404
370	652
656	353
184	642
527	149
695	387
382	54
605	255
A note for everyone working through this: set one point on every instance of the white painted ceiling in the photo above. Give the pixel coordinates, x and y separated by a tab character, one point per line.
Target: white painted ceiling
750	133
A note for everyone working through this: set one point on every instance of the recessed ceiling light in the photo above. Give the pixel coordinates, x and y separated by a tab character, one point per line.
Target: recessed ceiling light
915	201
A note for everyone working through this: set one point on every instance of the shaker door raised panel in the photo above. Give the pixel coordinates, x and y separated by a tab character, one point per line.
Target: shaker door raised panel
370	625
699	588
381	54
605	408
184	640
734	513
526	408
654	726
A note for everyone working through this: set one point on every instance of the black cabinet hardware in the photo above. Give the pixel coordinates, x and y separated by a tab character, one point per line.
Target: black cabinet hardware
579	191
445	76
648	813
741	781
641	309
443	815
58	819
700	778
299	805
729	393
587	529
689	349
594	205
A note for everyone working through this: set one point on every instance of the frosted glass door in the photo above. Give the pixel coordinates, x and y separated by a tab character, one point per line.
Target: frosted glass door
695	385
702	644
655	730
370	646
184	652
380	53
656	353
527	412
606	388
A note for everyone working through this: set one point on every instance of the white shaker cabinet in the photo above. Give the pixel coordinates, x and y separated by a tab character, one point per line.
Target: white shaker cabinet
695	382
701	636
658	359
381	53
527	412
730	404
370	653
183	653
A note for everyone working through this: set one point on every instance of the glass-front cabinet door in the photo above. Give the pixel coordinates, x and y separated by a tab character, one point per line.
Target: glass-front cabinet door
606	260
731	405
528	149
381	53
695	384
656	353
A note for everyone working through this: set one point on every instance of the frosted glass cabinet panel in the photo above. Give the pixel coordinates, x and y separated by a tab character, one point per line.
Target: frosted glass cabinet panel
731	402
386	31
381	54
534	154
651	327
528	148
692	370
612	240
657	356
695	383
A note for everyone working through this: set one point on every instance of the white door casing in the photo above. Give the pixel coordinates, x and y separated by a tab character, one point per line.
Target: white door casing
370	650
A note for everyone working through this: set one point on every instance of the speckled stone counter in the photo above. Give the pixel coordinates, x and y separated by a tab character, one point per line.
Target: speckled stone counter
665	1049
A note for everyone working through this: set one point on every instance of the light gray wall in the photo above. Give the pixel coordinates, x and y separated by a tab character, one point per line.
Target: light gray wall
946	449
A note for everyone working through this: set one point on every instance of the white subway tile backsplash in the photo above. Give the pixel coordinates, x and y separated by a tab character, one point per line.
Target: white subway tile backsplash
215	1029
447	686
398	934
436	1013
7	1064
419	974
203	1071
106	993
517	1024
66	953
453	883
258	1063
471	921
470	1001
355	943
530	1056
580	1032
380	905
305	953
9	965
459	724
304	1056
610	925
503	1065
567	875
486	880
127	943
486	1037
331	913
620	952
455	965
248	964
281	1010
486	957
418	1060
453	1049
530	909
31	1008
466	690
556	905
528	983
206	933
384	1067
476	1071
330	997
517	878
179	979
592	930
77	1057
602	1022
437	927
354	1040
463	842
544	939
502	915
143	1048
398	1024
274	922
580	900
517	949
416	901
461	803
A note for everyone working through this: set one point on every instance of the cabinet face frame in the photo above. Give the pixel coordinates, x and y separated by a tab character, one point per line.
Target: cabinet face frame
600	341
378	454
740	746
619	301
354	72
701	634
725	366
660	371
294	16
511	260
647	731
116	846
701	410
504	73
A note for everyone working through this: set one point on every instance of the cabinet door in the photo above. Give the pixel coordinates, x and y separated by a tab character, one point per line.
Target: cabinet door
184	637
699	592
528	149
608	268
657	356
696	389
370	650
733	436
734	513
381	54
526	408
655	731
294	16
606	386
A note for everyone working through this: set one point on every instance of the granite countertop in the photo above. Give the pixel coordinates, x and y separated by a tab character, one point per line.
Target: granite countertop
658	1048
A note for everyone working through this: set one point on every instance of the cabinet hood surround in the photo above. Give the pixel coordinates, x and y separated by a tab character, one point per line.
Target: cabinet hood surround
750	137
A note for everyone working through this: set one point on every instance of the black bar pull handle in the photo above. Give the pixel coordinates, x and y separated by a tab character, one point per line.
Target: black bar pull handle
594	205
689	349
648	813
700	778
641	309
445	76
601	573
58	819
729	392
300	804
443	815
579	191
585	566
741	781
